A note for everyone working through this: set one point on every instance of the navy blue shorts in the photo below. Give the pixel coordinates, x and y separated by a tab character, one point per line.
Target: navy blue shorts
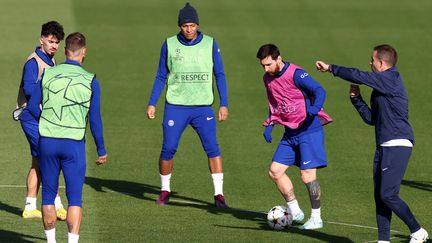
304	151
177	118
31	131
65	155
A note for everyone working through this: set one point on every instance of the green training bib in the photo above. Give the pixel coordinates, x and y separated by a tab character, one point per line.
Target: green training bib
190	80
66	94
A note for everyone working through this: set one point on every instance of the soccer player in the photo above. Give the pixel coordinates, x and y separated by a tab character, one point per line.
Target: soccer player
295	101
393	134
187	63
69	96
43	57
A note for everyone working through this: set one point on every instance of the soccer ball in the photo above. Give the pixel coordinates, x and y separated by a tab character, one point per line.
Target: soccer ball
278	218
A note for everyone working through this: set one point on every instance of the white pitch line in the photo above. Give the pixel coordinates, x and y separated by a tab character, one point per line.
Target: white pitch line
359	226
19	186
391	238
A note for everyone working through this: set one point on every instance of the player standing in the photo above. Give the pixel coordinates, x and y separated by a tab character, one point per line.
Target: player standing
70	95
393	134
43	57
187	63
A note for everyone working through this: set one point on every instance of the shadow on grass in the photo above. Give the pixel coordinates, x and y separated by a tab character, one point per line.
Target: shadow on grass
10	209
10	236
151	192
422	185
403	238
295	230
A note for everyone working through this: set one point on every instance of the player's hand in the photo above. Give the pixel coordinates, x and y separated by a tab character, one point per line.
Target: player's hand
268	133
322	66
223	113
354	90
102	159
151	110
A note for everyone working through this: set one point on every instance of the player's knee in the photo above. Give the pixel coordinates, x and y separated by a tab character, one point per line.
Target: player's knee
275	174
308	176
75	202
389	197
212	150
168	153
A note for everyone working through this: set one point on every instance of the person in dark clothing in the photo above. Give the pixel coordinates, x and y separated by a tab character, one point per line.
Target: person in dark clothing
393	133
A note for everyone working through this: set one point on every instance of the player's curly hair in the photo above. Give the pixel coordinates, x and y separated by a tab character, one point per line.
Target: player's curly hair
53	28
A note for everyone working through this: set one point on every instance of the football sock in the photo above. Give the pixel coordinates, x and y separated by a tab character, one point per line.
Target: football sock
50	235
293	207
165	182
57	202
30	203
316	213
217	183
73	238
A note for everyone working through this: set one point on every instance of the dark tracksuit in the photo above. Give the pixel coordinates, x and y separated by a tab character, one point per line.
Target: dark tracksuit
389	114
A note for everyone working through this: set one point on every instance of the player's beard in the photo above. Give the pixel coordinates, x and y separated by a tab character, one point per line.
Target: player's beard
276	71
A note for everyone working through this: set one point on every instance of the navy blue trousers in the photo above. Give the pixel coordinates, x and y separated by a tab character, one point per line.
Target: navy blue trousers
390	164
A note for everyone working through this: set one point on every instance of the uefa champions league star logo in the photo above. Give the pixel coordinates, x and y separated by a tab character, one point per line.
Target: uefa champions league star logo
60	96
171	123
178	56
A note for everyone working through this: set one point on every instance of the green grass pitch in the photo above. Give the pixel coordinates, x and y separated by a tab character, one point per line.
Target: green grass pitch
124	40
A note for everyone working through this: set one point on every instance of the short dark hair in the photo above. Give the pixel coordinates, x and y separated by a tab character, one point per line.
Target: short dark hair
53	28
75	41
387	54
268	50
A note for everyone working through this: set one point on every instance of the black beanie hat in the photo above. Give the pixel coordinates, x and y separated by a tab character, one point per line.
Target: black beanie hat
188	15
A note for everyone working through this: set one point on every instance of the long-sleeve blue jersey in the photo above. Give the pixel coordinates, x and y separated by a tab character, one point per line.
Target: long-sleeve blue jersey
94	111
314	95
30	80
389	102
162	73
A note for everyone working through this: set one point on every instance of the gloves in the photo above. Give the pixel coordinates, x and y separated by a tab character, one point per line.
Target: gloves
267	133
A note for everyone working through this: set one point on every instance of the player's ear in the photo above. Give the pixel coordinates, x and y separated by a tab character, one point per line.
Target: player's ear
279	60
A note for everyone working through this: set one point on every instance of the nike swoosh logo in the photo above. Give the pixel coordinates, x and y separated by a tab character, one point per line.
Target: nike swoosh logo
306	162
385	169
209	118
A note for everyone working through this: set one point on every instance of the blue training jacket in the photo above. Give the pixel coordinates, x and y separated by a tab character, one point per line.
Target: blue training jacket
389	102
162	73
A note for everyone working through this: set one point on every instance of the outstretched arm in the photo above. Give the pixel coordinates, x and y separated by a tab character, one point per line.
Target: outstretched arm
355	76
375	80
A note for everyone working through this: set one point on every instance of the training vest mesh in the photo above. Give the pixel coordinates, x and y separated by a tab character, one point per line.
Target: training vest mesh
21	99
66	94
287	102
190	80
